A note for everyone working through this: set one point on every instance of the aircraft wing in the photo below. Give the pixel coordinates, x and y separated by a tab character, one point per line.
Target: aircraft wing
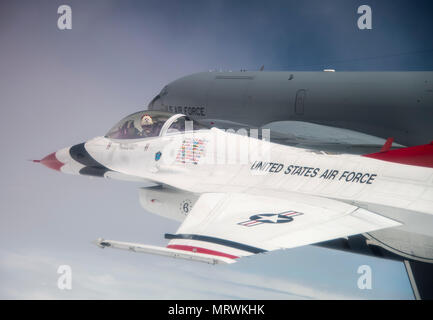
223	227
311	136
324	138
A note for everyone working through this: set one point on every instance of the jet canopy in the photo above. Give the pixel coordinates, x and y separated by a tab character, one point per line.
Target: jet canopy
146	124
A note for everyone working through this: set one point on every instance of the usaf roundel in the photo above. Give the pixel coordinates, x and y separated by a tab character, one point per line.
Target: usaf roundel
274	218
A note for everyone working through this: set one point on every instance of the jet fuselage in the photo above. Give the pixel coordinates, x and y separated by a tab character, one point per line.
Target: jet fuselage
383	104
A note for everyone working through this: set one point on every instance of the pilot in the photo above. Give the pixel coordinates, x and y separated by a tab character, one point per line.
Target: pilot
147	125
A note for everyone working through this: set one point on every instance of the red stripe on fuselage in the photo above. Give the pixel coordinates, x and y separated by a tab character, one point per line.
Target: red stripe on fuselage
415	156
201	250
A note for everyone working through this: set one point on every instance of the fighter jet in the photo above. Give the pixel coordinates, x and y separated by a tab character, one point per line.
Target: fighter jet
237	193
343	112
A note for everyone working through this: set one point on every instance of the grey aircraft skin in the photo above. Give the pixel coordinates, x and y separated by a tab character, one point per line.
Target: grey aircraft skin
381	104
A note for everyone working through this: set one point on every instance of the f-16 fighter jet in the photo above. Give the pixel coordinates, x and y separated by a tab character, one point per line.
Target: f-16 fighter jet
238	194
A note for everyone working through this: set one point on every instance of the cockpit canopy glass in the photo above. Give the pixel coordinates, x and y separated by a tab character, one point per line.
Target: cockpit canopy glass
146	124
184	124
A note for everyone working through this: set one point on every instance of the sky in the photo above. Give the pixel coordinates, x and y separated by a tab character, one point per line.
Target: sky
63	87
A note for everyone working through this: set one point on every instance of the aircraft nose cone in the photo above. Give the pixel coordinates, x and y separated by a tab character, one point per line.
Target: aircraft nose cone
50	161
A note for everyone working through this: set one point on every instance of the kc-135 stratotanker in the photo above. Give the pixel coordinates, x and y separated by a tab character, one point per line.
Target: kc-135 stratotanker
251	162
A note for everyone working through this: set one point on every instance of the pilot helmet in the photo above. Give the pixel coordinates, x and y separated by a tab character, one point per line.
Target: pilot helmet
146	120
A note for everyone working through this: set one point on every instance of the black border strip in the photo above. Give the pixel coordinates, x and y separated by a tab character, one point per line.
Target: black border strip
92	167
94	171
223	242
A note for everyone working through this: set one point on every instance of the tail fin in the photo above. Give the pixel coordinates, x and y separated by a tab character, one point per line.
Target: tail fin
421	156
